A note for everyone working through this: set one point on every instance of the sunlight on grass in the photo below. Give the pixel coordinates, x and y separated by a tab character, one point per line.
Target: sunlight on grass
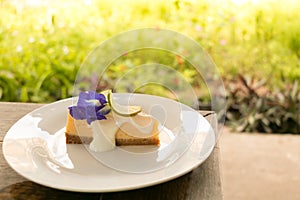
43	43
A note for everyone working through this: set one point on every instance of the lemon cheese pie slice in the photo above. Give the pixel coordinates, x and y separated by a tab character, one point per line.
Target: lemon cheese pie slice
103	124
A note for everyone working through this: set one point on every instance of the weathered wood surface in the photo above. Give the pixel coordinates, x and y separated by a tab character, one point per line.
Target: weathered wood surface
203	182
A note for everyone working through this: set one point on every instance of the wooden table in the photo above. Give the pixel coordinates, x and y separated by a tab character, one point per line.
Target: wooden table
202	183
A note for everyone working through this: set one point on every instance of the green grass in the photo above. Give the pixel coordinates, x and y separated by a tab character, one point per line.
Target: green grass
43	46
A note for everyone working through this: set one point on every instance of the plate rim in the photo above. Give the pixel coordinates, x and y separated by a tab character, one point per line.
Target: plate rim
124	188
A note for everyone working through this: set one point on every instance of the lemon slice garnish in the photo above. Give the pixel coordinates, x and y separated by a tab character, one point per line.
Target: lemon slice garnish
125	111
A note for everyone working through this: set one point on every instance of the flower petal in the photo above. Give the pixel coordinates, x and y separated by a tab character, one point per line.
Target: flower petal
91	111
83	97
92	94
90	106
102	99
104	110
100	116
90	120
77	112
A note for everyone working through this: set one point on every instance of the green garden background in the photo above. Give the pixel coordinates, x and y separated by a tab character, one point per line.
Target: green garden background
255	44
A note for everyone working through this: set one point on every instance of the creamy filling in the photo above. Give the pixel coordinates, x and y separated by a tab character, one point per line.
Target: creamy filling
141	125
104	131
103	135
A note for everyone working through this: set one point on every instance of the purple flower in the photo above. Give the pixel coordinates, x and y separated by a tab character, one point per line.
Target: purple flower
90	106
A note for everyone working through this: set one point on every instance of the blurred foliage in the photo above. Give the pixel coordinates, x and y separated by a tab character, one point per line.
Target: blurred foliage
43	43
252	108
154	69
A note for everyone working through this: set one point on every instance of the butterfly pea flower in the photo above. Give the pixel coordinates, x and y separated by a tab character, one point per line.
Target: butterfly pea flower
91	106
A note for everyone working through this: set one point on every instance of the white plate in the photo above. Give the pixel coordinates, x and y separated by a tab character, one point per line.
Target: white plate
35	148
